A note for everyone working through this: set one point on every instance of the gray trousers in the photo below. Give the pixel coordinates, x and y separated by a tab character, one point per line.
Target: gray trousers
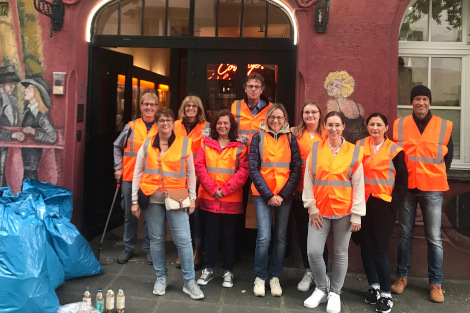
131	222
315	245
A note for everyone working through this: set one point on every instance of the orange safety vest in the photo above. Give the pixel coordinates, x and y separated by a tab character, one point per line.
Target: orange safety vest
379	171
173	166
305	146
275	161
135	140
221	167
195	134
424	152
248	123
332	176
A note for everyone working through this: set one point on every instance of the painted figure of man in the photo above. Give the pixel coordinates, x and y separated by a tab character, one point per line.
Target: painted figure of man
8	114
427	142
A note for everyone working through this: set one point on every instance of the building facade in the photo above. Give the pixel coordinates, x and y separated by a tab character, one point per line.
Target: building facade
91	70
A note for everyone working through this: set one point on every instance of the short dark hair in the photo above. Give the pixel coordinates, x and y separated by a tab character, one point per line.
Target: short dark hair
377	114
257	76
164	112
335	113
233	132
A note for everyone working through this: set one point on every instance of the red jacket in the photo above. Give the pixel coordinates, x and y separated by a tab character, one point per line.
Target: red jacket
234	184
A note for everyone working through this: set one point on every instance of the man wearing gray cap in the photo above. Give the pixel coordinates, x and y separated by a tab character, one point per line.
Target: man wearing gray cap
427	142
8	115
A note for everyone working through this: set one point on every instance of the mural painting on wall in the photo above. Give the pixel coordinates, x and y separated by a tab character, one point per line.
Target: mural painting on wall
340	85
30	145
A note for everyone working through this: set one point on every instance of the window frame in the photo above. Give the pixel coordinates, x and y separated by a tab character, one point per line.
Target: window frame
429	49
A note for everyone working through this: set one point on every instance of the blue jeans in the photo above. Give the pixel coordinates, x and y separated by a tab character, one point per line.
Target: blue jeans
264	219
178	222
430	203
130	221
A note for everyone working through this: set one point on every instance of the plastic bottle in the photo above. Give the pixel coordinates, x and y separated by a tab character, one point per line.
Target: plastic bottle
110	301
99	305
120	301
87	297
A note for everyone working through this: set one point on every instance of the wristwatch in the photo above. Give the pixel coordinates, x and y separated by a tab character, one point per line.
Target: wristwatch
135	202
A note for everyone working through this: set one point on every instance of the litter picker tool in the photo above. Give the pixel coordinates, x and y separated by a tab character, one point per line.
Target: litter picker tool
107	221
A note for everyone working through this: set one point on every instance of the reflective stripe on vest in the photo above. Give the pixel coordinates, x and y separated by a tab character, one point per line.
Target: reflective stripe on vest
221	166
136	138
275	158
424	152
176	178
239	108
331	180
379	165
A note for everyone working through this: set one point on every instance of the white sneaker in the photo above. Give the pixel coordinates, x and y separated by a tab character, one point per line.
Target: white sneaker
315	299
306	282
228	280
334	303
259	289
276	290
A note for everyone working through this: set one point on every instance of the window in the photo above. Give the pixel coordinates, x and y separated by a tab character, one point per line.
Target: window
211	18
434	50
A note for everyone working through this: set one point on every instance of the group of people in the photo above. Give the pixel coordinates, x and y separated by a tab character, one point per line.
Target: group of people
329	183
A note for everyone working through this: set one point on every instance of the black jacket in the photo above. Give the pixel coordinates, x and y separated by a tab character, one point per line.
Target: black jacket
257	178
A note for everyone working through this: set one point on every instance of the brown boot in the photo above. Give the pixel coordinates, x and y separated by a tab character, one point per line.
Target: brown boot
197	258
435	294
399	284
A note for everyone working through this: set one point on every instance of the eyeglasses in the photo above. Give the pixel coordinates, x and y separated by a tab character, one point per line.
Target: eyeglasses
311	112
160	121
192	106
147	104
256	87
279	118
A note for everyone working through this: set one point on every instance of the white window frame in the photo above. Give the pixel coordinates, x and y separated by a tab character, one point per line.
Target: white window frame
449	49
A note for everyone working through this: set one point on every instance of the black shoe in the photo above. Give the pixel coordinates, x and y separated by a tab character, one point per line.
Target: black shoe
124	256
372	296
384	305
148	258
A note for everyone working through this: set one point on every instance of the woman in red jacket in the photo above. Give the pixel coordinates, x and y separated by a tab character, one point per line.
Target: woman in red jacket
222	169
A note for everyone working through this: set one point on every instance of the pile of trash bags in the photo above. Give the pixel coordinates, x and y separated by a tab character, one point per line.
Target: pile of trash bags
39	247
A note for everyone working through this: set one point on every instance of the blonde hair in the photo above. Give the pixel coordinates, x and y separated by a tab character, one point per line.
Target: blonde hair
201	116
347	81
41	106
277	106
149	95
303	126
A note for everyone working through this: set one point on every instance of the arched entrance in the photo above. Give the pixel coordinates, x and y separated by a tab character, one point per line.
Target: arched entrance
205	47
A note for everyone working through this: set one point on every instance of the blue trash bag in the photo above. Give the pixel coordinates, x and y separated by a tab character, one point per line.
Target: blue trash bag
71	247
24	275
55	197
33	204
6	191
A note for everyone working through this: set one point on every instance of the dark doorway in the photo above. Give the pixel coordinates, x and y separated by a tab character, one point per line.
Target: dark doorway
109	107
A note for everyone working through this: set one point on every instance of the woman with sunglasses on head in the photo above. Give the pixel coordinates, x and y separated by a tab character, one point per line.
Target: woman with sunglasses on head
308	131
274	163
191	122
165	162
386	181
222	169
334	195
